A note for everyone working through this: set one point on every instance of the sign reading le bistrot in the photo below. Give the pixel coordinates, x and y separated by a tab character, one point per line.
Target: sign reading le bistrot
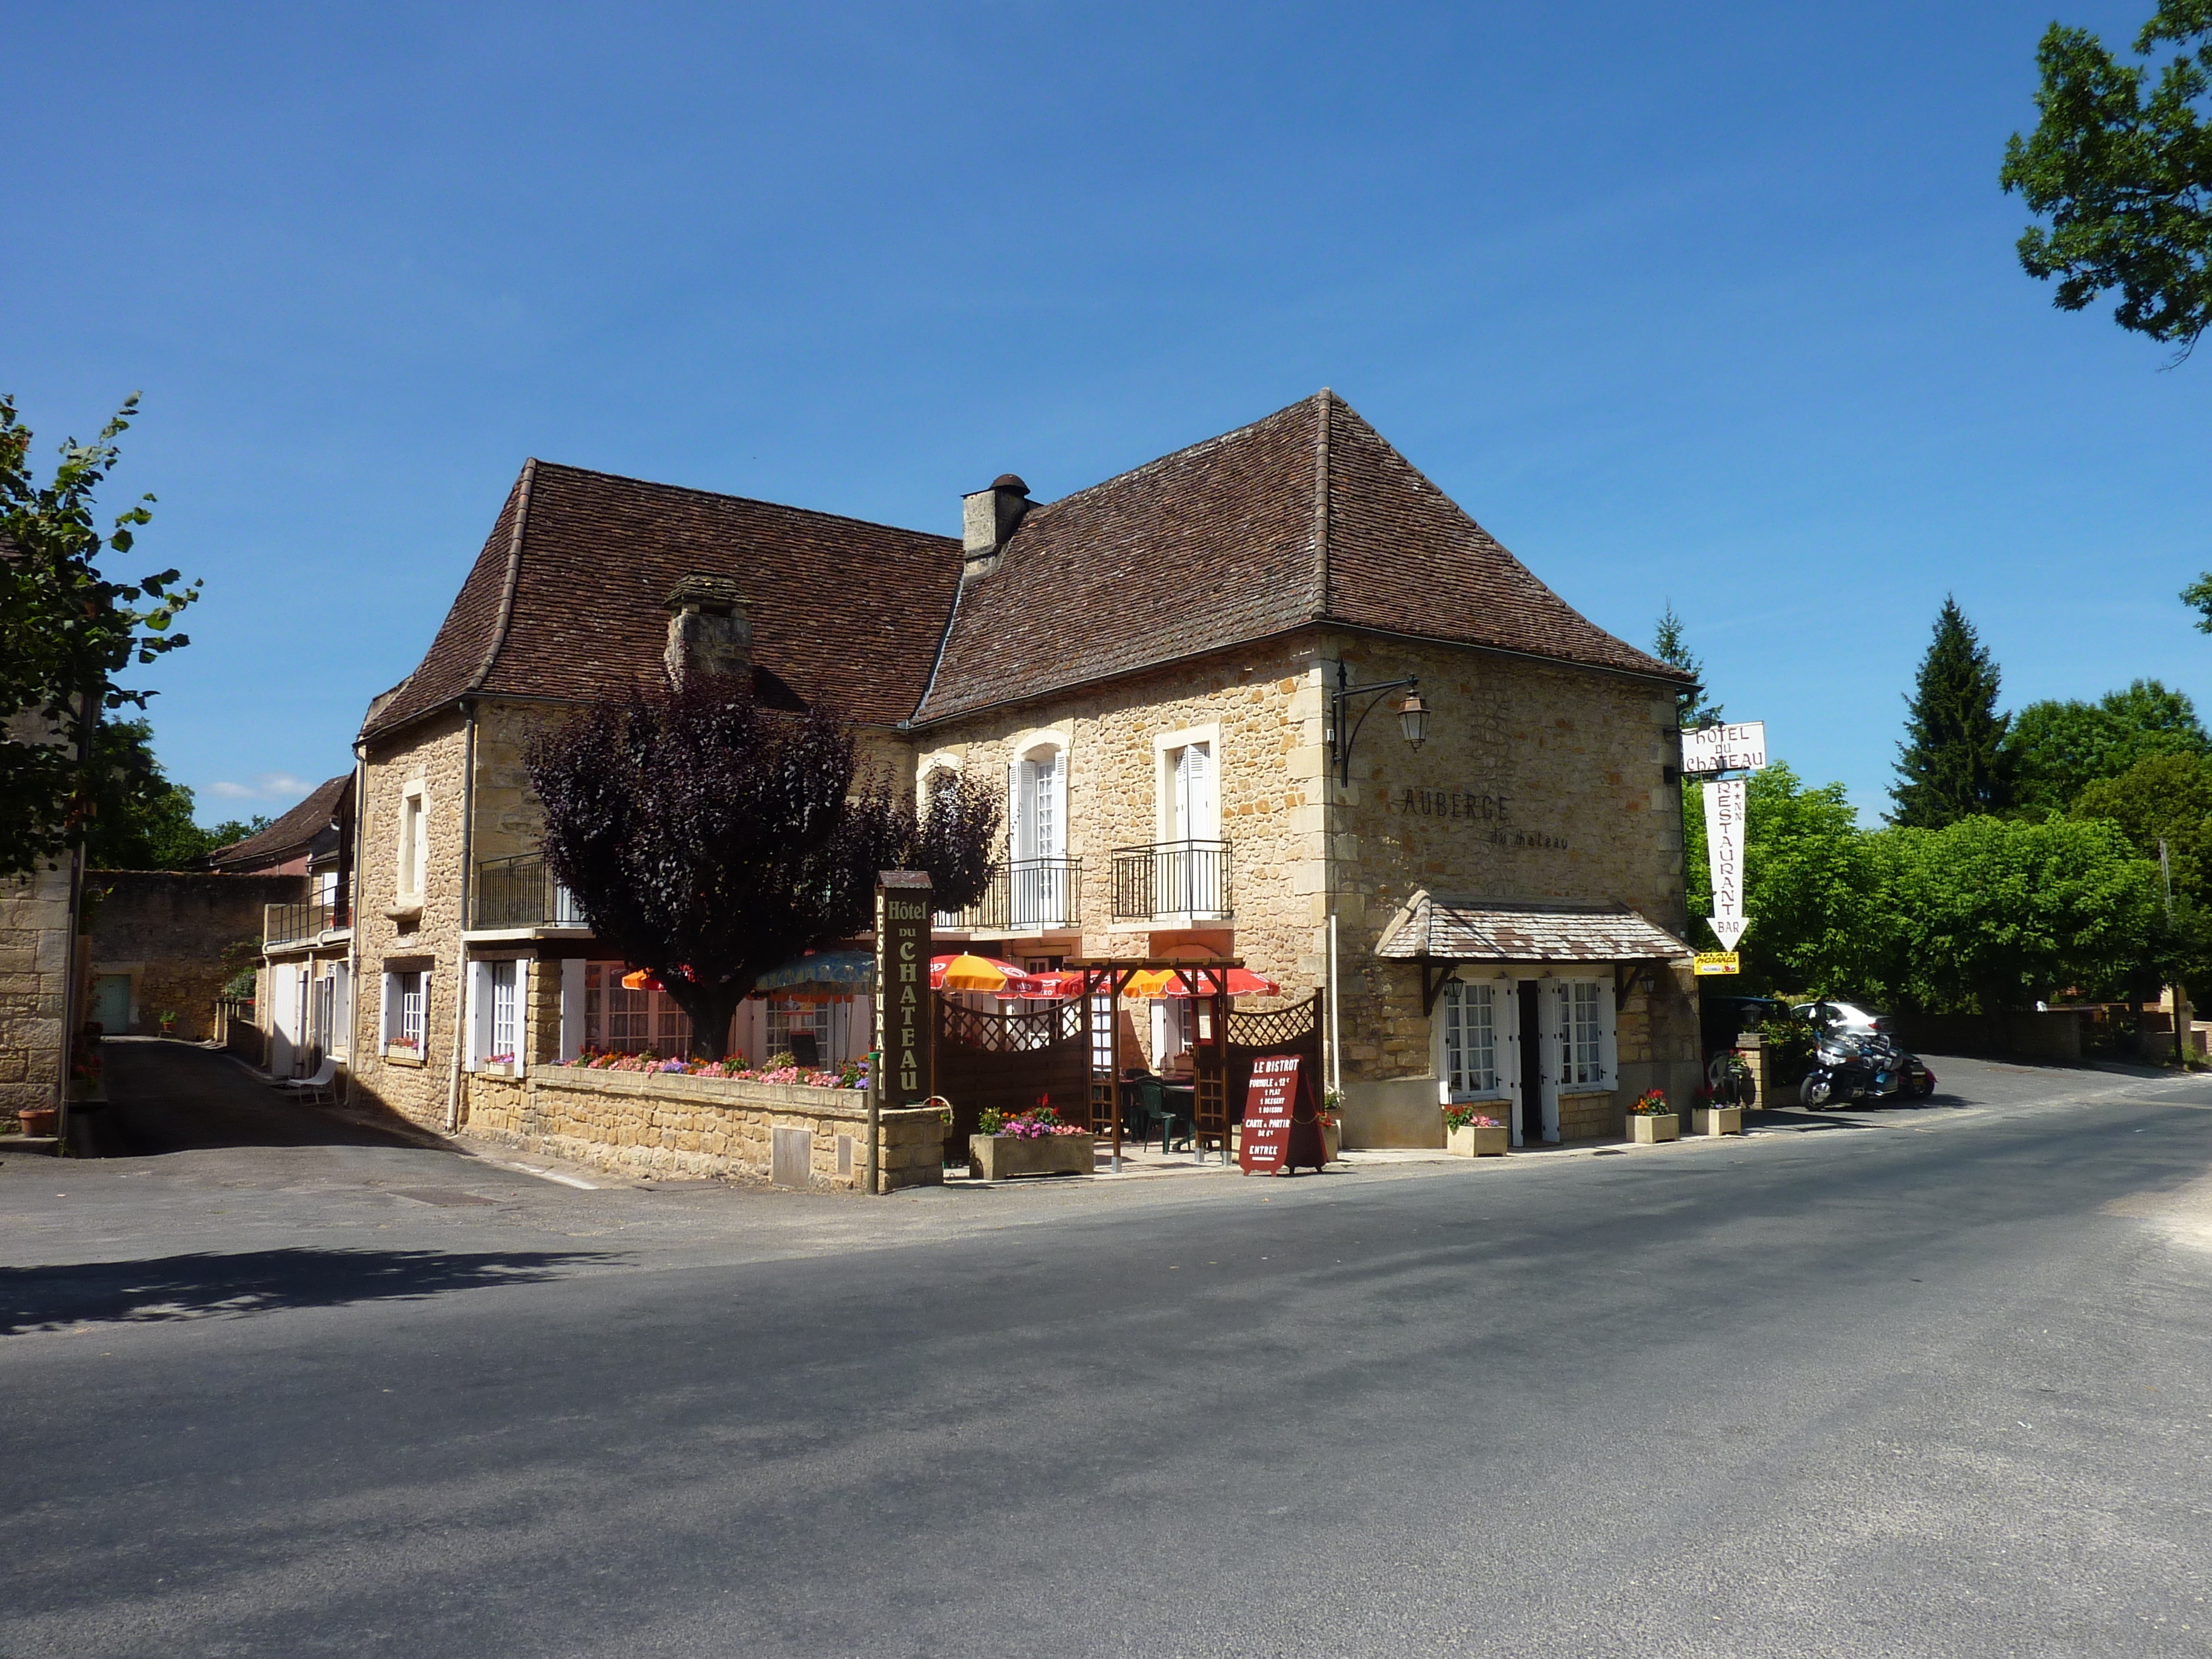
1282	1125
902	1010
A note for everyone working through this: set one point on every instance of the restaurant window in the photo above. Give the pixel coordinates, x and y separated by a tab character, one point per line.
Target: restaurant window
1585	1033
795	1024
1470	1021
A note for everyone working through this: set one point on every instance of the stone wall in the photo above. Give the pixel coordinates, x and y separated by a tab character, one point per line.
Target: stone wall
34	969
647	1123
433	755
167	930
1535	782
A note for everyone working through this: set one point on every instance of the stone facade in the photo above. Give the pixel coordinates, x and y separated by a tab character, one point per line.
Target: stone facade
166	931
641	1123
35	956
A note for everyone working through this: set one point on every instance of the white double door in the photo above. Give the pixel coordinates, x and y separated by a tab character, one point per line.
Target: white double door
1530	1063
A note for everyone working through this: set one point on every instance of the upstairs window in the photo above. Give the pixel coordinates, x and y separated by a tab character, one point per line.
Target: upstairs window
414	849
1194	805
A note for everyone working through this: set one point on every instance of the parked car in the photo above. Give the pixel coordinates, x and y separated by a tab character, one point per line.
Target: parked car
1848	1017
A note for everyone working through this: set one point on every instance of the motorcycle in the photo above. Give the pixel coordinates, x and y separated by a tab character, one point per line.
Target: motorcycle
1863	1067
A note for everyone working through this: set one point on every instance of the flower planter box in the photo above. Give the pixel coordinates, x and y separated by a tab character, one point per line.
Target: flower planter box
1003	1158
39	1120
1475	1141
1645	1128
1331	1139
498	1068
1717	1120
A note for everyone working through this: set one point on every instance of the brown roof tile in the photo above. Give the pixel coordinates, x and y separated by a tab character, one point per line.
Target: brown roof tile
289	834
1231	540
566	600
1438	928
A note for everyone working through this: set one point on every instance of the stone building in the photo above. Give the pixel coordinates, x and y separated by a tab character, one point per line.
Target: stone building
1200	684
303	989
42	960
164	941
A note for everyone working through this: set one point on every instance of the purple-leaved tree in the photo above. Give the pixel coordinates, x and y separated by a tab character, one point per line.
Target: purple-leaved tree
709	839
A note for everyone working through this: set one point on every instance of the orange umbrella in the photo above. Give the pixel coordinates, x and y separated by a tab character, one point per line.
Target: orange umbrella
986	974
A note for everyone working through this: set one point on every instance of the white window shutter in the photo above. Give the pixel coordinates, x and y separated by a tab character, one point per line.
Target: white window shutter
571	1007
388	1012
477	1020
1204	804
1059	781
1018	807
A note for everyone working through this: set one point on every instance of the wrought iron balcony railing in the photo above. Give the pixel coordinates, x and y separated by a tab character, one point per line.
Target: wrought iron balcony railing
1180	878
520	892
302	923
1027	893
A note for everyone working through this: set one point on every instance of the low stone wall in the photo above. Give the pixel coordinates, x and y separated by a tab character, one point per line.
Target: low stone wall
665	1124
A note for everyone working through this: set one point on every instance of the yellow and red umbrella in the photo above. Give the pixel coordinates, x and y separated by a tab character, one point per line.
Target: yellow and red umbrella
984	974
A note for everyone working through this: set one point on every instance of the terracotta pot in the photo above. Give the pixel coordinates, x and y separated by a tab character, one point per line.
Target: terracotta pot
39	1120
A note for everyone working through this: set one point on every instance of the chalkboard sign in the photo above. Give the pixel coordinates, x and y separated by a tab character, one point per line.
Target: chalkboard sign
1282	1121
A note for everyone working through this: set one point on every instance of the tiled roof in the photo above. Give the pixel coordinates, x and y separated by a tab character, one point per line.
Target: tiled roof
566	600
1438	928
291	833
1234	539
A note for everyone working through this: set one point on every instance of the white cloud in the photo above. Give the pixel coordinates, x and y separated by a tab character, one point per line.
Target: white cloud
266	785
232	791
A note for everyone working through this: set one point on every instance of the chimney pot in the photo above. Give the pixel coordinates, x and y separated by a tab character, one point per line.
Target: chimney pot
708	632
988	518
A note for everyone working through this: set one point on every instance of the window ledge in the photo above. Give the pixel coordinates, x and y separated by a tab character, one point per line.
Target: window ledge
405	910
403	1057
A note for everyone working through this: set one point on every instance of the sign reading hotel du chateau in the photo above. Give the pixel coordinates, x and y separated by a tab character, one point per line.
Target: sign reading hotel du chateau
1725	747
1282	1121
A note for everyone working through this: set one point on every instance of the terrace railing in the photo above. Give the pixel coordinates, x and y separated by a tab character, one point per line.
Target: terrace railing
302	923
1178	878
1024	894
520	892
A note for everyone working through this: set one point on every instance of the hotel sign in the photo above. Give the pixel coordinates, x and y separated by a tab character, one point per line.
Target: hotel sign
1724	748
903	994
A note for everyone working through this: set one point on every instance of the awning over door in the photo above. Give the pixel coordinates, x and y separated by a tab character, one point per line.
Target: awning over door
1442	928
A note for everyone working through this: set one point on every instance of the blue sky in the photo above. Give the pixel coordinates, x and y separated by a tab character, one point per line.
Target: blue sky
1712	304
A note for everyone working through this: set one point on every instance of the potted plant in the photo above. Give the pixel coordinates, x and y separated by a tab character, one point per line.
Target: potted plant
1031	1142
1470	1134
1332	1125
1651	1119
167	1019
1713	1116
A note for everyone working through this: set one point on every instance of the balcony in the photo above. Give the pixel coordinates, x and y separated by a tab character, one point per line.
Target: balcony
520	892
1172	881
1025	896
304	923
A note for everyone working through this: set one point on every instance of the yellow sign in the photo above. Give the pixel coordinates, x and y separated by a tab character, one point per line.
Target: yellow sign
1718	961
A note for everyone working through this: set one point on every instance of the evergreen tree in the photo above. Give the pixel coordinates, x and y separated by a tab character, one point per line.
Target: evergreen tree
1952	763
1691	707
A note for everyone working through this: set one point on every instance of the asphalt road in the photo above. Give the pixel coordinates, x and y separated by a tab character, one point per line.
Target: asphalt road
1927	1382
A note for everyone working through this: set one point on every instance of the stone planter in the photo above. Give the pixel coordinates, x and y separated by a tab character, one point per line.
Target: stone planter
1331	1139
1646	1128
1475	1141
1002	1157
1717	1120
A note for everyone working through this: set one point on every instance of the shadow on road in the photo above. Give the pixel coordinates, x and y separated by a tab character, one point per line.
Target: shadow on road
164	1096
173	1287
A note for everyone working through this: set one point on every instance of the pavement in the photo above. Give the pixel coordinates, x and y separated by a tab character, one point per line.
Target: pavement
1924	1380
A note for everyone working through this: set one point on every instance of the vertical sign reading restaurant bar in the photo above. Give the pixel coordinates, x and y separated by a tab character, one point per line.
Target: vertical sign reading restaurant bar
902	1021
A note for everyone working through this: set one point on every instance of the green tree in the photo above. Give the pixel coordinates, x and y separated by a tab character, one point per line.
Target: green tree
65	632
2198	597
138	819
1811	886
2054	750
1668	644
2126	178
1997	913
1952	763
2168	798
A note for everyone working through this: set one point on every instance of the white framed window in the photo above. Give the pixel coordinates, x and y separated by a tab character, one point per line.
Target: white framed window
1584	1032
506	1010
1036	787
1469	1014
405	1008
790	1017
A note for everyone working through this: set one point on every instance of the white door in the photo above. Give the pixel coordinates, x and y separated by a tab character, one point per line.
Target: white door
1040	838
1194	804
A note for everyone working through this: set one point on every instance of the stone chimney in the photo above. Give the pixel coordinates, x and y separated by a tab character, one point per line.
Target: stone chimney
988	518
708	632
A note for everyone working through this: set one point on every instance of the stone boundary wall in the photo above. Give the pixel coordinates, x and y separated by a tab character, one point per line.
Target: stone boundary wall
666	1123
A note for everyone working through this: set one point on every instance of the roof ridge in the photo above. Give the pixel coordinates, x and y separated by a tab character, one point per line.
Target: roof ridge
1323	402
725	495
1172	455
514	576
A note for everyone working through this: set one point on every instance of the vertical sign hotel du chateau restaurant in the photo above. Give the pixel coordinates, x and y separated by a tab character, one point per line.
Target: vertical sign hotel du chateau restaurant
902	1011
